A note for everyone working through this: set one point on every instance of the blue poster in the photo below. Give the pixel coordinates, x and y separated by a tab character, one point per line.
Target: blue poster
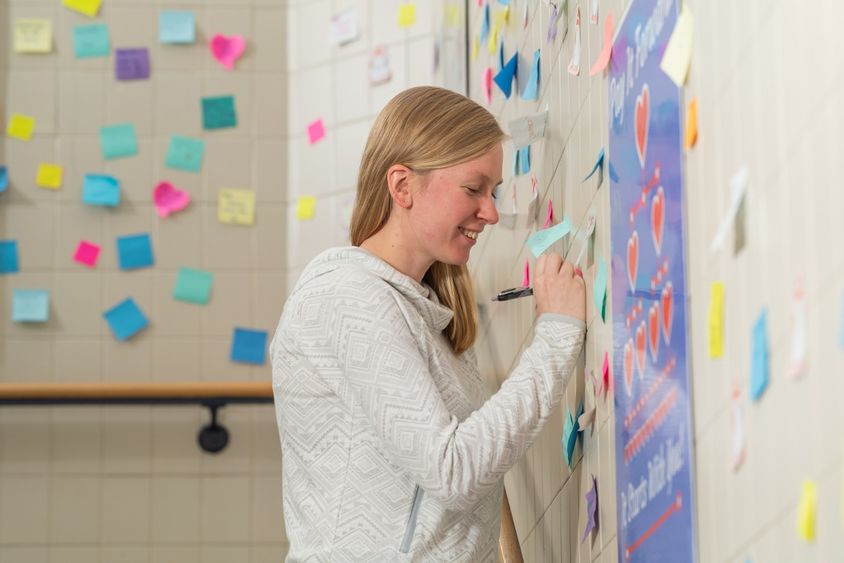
653	434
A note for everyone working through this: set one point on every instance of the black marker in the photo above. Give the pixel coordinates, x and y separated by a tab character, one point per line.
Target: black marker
513	293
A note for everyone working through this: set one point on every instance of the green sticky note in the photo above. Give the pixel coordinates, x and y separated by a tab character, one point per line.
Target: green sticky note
185	153
599	290
91	41
193	286
118	141
218	112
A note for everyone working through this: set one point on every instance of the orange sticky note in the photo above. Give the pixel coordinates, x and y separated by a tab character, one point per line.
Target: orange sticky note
407	14
606	51
691	124
49	176
21	127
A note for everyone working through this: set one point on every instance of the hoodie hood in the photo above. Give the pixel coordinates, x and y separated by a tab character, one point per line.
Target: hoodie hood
419	295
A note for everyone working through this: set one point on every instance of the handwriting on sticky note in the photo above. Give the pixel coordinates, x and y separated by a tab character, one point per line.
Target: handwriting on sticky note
185	153
131	64
528	129
33	36
236	207
91	41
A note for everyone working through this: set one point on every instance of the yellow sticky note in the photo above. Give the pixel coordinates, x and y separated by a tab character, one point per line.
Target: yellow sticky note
716	320
236	207
492	44
475	47
452	15
21	126
49	176
305	207
806	512
87	7
407	14
33	36
691	124
678	52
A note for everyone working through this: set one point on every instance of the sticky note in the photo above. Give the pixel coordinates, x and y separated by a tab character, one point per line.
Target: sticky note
236	207
305	207
486	85
532	88
606	380
344	27
549	215
185	153
715	323
118	141
591	510
101	189
407	14
86	7
678	52
49	176
483	34
21	126
131	64
540	241
606	51
526	275
452	15
134	251
33	35
599	164
193	286
759	369
87	253
599	289
738	188
691	124
568	442
316	131
90	41
528	129
521	164
551	32
574	62
218	112
4	179
30	305
249	346
504	78
807	511
125	319
475	48
176	26
8	256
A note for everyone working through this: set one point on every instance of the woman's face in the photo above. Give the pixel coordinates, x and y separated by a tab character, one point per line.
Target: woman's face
452	206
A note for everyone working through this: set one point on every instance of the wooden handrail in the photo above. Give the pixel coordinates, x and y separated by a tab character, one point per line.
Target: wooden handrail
509	550
174	390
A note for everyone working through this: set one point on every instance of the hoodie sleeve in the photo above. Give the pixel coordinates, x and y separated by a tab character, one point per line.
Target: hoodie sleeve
358	341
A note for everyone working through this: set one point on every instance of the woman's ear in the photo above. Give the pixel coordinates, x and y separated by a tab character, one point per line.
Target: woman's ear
398	182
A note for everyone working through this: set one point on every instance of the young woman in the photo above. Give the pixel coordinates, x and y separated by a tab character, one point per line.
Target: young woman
391	449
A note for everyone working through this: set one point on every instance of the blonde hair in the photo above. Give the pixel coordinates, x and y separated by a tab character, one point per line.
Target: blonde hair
425	128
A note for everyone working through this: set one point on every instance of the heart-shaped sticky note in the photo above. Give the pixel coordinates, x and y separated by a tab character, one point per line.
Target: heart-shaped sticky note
227	49
168	199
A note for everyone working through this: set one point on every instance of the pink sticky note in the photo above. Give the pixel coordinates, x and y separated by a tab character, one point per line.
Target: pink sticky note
606	380
169	199
488	85
316	131
227	49
606	51
549	217
526	277
87	253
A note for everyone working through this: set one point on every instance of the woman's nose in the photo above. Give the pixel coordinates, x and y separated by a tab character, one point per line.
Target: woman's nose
488	212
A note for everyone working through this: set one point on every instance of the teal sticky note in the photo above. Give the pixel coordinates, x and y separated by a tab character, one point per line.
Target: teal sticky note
30	305
125	319
90	41
101	189
185	153
9	257
541	240
193	286
176	27
532	88
134	251
4	179
118	141
570	429
218	112
249	346
599	163
759	366
599	289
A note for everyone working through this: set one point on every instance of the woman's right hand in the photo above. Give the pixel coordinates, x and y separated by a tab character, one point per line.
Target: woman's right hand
557	288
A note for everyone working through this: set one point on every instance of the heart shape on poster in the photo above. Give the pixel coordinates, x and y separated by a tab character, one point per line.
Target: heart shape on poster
633	260
227	49
658	218
168	199
667	304
643	109
640	348
653	331
628	367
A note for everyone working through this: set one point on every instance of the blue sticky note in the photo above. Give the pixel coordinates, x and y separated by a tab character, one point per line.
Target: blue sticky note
30	305
500	55
485	24
599	290
570	429
613	174
524	160
504	2
101	189
91	41
134	251
532	88
185	153
125	319
118	141
4	179
599	162
540	241
8	257
193	286
249	346
176	27
504	78
759	368
218	112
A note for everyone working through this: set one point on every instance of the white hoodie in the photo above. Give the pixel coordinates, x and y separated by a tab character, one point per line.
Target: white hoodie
391	450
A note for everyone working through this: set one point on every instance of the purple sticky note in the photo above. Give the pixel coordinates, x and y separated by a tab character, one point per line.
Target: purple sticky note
131	64
591	510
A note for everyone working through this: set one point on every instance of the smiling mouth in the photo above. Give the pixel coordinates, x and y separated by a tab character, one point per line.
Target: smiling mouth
471	234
